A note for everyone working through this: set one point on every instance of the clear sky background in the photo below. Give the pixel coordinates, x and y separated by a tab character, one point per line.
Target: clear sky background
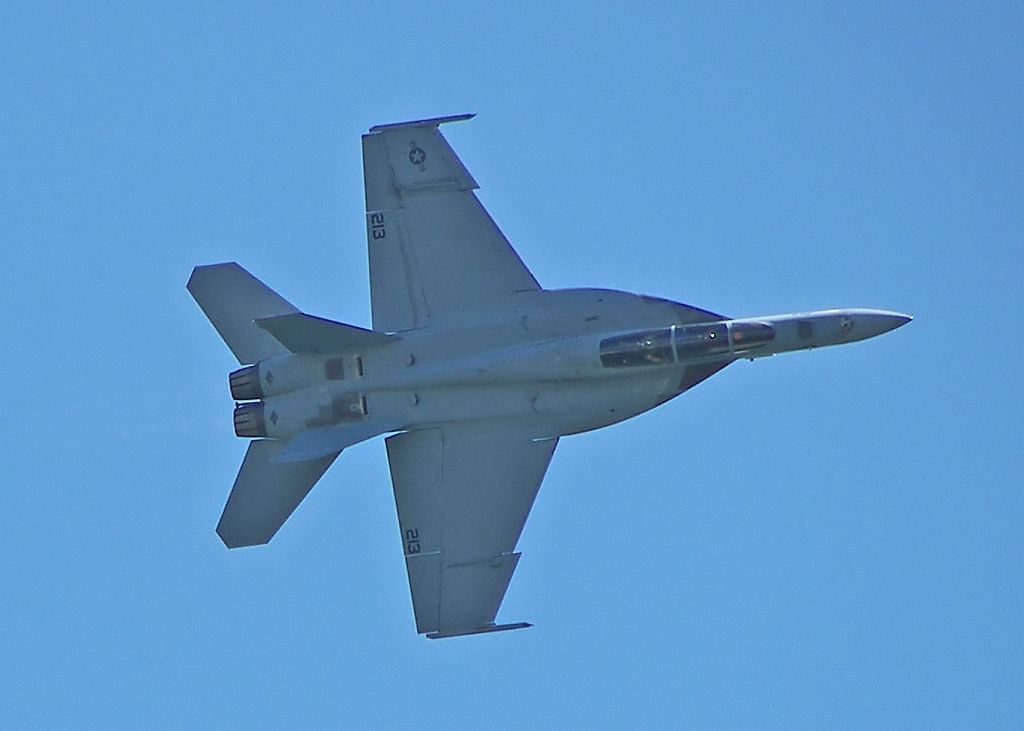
818	540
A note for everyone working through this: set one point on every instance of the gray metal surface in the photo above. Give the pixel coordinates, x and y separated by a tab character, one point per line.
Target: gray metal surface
266	493
489	371
436	257
463	492
302	333
232	299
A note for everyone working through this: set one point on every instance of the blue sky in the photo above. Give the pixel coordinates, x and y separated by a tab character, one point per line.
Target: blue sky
829	539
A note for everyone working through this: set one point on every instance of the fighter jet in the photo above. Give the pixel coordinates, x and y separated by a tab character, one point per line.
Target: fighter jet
472	367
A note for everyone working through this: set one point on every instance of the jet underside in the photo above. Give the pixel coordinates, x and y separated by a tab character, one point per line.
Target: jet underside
540	367
472	367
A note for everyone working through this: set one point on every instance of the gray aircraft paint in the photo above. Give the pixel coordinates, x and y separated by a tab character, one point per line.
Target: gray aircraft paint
476	369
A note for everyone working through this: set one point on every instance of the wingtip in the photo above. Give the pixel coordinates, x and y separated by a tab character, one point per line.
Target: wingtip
429	122
443	635
201	270
231	541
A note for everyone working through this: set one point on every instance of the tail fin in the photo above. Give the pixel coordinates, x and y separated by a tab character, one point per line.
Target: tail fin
266	493
233	299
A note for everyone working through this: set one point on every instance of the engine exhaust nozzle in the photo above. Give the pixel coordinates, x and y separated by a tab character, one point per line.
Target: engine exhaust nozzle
245	383
249	421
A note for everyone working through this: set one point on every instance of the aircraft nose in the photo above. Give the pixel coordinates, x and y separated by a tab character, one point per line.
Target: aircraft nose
878	322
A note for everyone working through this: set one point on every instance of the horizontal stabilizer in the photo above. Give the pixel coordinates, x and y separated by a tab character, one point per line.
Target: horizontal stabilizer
232	298
265	494
478	630
324	440
302	333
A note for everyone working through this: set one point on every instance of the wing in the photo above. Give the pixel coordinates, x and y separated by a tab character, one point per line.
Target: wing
463	493
265	493
435	254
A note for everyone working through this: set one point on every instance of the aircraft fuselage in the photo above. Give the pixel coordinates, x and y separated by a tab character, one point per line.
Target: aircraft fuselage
568	361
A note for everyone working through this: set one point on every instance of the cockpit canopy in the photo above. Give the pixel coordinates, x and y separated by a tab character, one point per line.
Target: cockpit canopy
683	343
648	347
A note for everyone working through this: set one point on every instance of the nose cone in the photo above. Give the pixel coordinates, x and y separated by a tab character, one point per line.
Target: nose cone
901	320
869	323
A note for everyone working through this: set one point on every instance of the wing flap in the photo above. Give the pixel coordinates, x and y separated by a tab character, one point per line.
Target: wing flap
472	592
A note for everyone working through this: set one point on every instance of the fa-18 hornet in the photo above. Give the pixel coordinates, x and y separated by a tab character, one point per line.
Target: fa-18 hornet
472	367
